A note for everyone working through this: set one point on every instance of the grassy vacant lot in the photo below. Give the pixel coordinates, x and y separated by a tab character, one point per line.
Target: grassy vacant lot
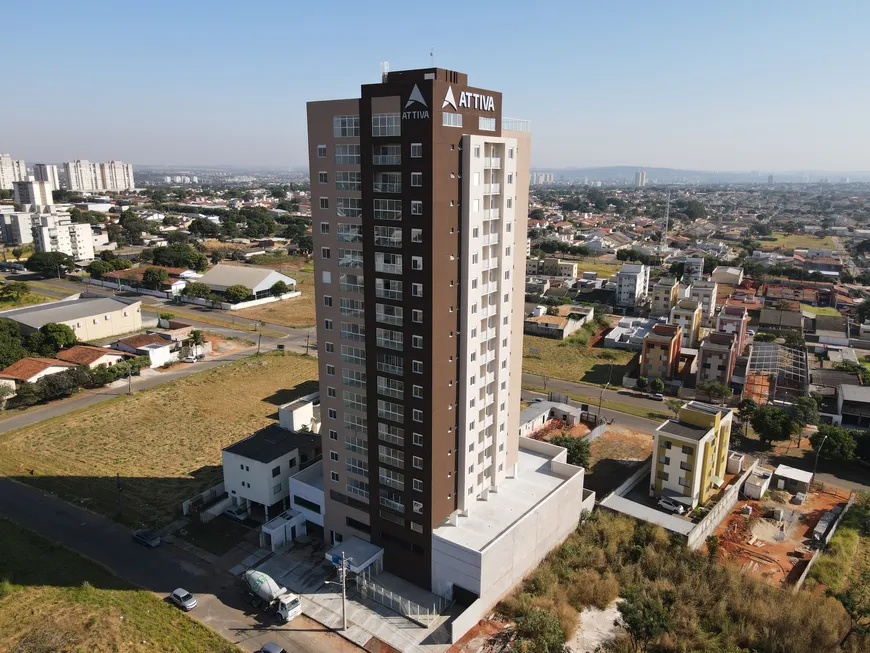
295	312
847	557
165	443
46	606
797	241
703	606
820	310
28	300
572	361
603	269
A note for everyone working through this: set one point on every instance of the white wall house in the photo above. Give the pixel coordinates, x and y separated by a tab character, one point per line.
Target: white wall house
257	470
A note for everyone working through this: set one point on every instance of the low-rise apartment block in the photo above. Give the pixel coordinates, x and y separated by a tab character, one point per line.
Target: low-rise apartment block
704	292
661	351
687	314
664	296
58	233
716	358
551	266
632	285
734	319
691	453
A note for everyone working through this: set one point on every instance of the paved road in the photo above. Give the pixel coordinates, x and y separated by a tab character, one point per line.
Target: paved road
594	392
161	570
620	419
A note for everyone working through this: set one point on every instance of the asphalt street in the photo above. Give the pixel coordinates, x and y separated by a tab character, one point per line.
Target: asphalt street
161	570
621	419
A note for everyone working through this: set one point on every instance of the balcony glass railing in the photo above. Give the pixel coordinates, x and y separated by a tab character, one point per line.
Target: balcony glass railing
491	189
492	162
387	159
387	187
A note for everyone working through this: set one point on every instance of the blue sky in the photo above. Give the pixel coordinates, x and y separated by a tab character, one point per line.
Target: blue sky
735	85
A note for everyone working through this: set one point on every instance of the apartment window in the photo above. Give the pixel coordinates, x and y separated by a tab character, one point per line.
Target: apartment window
417	342
486	124
416	235
326	276
417	391
347	155
416	262
417	289
330	348
510	178
324	228
416	150
510	153
348	180
416	207
391	387
416	179
333	456
324	202
356	424
353	378
333	477
390	478
356	466
477	151
386	124
387	155
324	252
388	182
354	400
322	177
332	413
391	433
352	283
327	324
418	485
353	355
417	415
386	314
389	339
390	363
350	258
321	151
418	439
686	467
417	367
510	203
327	300
333	434
357	487
351	307
451	119
388	289
348	207
684	482
416	315
388	263
388	236
388	209
417	462
345	126
390	456
349	233
418	508
330	370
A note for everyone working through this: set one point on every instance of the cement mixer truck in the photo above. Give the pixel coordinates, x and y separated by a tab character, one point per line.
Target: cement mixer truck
266	594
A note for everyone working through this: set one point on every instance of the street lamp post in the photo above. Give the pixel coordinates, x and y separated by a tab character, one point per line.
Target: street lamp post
342	580
606	385
818	451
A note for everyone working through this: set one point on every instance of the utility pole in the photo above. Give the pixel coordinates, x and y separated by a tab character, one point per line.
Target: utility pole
818	451
120	501
307	338
343	591
130	379
260	338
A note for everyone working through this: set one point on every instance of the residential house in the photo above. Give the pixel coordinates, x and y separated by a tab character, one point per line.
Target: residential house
730	276
704	292
687	314
161	351
32	369
537	285
853	406
258	281
551	266
664	296
693	269
831	330
539	413
661	351
91	317
257	470
772	319
717	357
734	319
632	285
91	357
690	454
558	326
178	278
629	333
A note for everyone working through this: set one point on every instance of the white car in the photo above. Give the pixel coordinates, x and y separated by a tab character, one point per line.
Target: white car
671	505
183	599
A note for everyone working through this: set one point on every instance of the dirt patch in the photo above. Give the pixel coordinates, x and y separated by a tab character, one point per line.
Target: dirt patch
555	428
486	636
622	443
595	628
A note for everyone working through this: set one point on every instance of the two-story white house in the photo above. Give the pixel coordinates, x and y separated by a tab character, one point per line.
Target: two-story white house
257	469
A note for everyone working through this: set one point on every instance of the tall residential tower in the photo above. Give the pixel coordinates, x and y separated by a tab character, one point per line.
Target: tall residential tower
419	203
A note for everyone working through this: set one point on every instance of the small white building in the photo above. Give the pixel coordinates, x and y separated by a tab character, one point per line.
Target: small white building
730	276
159	349
632	284
257	470
258	280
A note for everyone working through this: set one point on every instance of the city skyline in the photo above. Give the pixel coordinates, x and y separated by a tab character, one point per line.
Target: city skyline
709	88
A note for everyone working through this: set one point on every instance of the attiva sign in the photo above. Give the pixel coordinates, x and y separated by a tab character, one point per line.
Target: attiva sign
468	100
421	110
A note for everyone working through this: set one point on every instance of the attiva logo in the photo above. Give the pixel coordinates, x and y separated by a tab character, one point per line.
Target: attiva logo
416	98
468	100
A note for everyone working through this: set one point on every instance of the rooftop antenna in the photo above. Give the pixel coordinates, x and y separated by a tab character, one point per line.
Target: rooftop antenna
432	56
667	216
385	70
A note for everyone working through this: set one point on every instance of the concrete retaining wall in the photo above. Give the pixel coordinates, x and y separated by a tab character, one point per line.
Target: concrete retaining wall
629	483
205	497
213	511
713	518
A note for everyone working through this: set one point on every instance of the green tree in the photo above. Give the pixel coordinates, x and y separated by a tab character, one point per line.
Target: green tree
674	405
216	257
578	449
17	252
50	264
644	617
14	291
179	255
712	547
641	383
855	600
58	336
305	244
794	339
540	631
657	386
26	394
205	228
167	316
154	278
5	393
279	288
714	390
196	289
839	443
197	338
805	411
99	268
772	423
746	409
237	293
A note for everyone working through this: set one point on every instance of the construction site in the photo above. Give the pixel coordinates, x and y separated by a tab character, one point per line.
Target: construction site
776	374
773	539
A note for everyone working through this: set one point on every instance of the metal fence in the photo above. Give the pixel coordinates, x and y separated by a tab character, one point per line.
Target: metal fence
423	615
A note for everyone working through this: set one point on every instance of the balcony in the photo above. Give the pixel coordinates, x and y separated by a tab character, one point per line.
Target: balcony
387	187
388	241
492	162
390	369
489	263
490	239
388	268
386	343
387	159
491	189
492	214
392	505
488	356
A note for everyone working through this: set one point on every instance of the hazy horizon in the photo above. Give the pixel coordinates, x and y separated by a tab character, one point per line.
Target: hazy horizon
731	87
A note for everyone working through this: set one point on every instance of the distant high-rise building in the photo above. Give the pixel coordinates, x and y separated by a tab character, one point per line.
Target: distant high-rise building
11	170
47	172
58	233
34	193
83	175
770	180
640	178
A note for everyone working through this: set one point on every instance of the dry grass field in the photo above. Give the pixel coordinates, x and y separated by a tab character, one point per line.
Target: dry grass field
295	312
29	299
45	605
797	241
164	443
573	361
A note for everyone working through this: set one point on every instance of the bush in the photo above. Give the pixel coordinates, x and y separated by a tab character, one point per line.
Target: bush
540	631
832	568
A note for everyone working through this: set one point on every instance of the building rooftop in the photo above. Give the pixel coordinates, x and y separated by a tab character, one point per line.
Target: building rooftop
488	519
856	393
146	340
683	430
231	275
72	308
539	408
833	378
26	368
795	474
271	442
85	354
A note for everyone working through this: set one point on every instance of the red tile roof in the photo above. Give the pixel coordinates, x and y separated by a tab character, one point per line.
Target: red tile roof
27	368
86	355
136	342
